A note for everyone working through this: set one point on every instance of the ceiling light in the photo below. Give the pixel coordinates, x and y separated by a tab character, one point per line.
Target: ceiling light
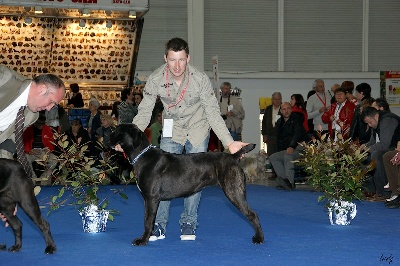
132	14
82	23
108	24
28	20
38	10
85	12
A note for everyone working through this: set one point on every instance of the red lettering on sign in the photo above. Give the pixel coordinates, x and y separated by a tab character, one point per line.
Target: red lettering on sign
85	1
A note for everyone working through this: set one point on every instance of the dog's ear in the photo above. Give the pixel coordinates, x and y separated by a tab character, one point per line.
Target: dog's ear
128	136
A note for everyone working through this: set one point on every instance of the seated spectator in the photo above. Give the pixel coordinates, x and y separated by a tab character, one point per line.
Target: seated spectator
385	135
156	129
391	160
38	141
298	105
57	119
77	134
109	155
127	110
339	115
290	131
381	104
103	133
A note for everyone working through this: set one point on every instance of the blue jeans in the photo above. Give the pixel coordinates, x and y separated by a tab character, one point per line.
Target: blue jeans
189	214
234	135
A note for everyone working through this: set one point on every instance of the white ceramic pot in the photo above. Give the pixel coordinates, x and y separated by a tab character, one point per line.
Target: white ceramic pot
341	212
93	220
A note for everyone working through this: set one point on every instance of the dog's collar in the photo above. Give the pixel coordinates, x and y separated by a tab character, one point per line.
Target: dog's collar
141	153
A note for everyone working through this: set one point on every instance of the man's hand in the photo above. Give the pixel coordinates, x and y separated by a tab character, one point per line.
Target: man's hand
4	218
236	146
119	148
323	109
289	150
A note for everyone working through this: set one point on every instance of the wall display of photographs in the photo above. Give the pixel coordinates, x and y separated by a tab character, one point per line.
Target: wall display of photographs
90	54
93	53
26	48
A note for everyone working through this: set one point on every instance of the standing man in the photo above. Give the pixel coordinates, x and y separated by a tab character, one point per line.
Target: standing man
16	91
290	131
317	105
190	109
271	115
231	111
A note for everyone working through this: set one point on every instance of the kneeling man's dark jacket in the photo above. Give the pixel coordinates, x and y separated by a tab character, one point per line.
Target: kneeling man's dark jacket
291	132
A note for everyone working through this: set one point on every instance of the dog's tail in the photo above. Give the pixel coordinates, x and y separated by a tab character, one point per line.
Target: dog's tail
243	150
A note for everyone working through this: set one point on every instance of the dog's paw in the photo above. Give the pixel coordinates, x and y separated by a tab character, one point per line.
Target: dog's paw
3	247
15	248
258	239
50	250
139	242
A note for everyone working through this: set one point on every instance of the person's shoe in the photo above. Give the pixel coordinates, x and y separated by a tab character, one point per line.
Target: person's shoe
386	186
392	198
282	184
393	203
188	232
158	233
290	185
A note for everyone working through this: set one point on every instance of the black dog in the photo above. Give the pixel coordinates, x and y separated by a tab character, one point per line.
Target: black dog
17	188
163	176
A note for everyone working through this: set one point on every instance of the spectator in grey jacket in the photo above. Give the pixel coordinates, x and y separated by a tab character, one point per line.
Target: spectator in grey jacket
384	137
127	108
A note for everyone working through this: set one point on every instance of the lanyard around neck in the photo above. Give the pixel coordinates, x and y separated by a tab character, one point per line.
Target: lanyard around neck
168	94
322	101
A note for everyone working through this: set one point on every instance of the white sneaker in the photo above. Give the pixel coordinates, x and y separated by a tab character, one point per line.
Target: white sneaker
158	233
386	186
188	232
392	198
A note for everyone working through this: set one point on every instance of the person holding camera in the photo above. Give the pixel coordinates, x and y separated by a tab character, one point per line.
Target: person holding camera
231	111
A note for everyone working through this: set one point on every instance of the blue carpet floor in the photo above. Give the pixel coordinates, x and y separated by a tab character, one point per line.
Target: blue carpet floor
296	228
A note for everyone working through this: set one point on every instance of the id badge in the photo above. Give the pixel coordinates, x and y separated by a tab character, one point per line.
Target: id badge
168	124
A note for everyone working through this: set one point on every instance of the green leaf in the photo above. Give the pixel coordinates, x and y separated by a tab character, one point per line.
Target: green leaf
123	195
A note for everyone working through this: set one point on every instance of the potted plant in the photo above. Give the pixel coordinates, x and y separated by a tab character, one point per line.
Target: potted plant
337	169
81	183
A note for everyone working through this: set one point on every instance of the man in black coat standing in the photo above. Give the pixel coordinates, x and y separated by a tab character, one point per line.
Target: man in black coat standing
290	131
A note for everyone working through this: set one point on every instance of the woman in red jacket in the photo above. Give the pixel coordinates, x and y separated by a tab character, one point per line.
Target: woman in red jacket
339	115
38	141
